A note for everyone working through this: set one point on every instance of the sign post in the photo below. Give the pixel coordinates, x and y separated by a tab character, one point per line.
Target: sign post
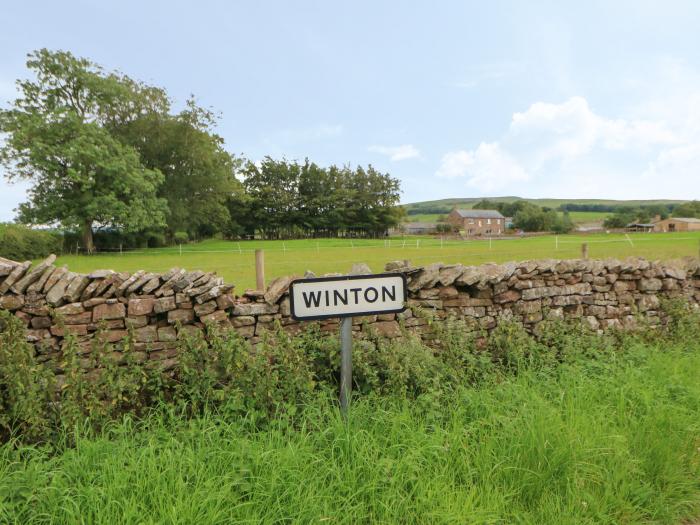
345	364
345	297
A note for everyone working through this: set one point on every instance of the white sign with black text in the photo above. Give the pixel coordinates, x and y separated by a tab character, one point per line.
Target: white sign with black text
347	296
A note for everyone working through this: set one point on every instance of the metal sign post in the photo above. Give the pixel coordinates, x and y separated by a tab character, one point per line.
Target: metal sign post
345	364
346	297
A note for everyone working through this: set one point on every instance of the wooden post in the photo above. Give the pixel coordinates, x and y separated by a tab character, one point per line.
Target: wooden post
260	269
584	250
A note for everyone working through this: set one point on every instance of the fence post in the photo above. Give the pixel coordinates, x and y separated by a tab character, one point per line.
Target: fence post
584	250
260	269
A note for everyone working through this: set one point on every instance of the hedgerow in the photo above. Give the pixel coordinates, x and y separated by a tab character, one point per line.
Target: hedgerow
220	371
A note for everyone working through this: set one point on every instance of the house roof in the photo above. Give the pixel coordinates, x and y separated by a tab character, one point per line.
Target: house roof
684	219
639	225
480	214
419	225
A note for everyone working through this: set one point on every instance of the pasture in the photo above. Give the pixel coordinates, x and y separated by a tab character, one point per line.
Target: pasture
235	261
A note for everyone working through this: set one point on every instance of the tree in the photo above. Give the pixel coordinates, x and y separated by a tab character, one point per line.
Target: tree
199	174
58	138
687	209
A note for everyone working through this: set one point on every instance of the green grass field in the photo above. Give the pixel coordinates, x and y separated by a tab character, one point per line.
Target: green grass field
236	261
608	440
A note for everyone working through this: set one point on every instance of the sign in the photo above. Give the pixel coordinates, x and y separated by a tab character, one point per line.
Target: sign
347	296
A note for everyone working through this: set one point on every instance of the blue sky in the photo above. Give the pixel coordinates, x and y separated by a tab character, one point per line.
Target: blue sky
457	99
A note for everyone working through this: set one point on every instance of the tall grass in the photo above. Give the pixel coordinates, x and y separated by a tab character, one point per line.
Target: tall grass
610	437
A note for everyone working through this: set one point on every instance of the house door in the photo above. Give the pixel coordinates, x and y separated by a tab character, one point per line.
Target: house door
671	227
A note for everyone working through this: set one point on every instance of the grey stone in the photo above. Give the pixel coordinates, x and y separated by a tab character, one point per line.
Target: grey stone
360	269
650	285
164	304
124	286
39	284
14	276
75	288
55	295
426	278
277	288
204	308
448	274
255	309
33	275
100	274
397	266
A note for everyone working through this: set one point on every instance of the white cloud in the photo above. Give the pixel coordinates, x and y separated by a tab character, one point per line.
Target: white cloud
567	149
488	168
397	153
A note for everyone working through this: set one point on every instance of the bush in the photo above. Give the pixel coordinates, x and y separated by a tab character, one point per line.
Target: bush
181	237
220	371
21	243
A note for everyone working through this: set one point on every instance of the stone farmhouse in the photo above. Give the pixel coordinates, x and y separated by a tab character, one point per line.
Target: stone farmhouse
677	224
477	222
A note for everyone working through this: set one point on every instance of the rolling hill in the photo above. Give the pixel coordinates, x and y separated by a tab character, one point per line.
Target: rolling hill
434	211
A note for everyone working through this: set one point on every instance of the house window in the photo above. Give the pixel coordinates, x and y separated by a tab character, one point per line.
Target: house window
471	221
479	223
488	221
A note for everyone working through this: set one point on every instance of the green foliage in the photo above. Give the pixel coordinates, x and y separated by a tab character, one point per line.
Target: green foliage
687	209
286	199
24	384
199	175
220	371
181	237
614	444
20	243
529	217
625	215
58	137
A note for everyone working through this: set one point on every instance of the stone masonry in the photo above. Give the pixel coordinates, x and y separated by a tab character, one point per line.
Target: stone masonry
158	308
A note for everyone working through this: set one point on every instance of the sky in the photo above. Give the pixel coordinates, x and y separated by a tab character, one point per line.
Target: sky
456	99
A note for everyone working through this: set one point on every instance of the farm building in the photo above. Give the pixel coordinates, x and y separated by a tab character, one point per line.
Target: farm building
477	222
677	224
639	227
415	228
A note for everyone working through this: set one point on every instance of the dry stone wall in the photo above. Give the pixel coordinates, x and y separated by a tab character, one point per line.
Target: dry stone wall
157	309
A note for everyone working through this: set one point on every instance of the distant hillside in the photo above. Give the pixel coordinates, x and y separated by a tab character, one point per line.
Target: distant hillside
446	205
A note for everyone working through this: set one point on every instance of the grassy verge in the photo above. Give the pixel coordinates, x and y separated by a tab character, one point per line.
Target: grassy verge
573	428
612	443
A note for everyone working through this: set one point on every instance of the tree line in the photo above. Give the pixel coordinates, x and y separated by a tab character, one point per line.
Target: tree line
625	215
283	199
108	157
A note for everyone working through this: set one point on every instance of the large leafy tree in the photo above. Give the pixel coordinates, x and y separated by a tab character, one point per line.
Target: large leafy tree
199	173
58	137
